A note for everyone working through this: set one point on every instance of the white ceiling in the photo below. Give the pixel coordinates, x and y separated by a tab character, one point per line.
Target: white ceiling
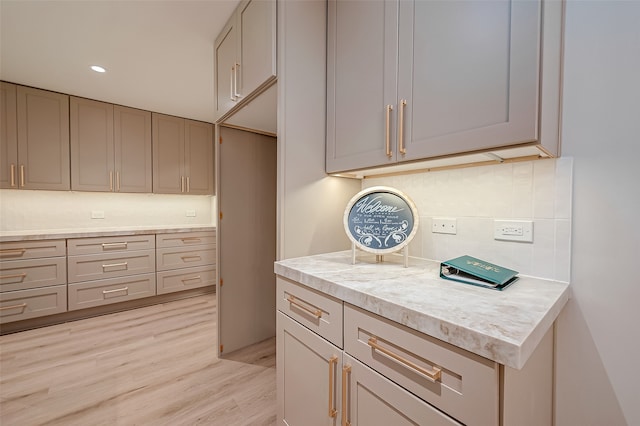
158	54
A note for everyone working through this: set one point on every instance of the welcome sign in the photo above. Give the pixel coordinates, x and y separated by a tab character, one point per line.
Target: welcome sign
380	220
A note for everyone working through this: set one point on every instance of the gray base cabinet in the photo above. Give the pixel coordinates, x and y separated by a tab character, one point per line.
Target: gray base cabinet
338	364
413	80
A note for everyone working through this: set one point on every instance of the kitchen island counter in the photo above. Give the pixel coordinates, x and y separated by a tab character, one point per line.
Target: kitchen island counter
503	326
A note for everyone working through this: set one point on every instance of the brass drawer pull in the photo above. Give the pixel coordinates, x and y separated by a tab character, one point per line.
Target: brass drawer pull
196	257
6	277
191	278
346	370
114	265
22	305
107	246
125	289
333	361
434	375
317	313
12	252
190	240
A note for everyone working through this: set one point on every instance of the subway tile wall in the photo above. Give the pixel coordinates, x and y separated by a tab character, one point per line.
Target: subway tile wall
535	190
23	210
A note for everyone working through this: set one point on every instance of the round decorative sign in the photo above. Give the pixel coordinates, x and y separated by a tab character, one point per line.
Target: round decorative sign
381	220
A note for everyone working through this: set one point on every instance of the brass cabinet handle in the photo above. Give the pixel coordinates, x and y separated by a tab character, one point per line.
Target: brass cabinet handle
191	278
190	240
13	175
6	277
317	313
107	246
114	265
111	180
235	81
22	175
196	257
232	91
401	148
333	361
12	252
118	181
433	375
181	183
346	370
22	305
388	131
188	184
125	289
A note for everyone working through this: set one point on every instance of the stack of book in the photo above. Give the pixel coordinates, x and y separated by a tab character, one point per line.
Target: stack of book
469	270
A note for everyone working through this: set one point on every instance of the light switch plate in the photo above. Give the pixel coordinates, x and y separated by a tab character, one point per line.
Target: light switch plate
513	230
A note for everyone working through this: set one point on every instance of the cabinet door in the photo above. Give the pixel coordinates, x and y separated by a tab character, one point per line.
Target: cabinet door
43	139
361	82
308	376
226	76
8	136
257	44
468	71
168	154
199	158
132	149
91	145
372	399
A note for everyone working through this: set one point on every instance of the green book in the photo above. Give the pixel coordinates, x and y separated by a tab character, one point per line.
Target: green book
467	269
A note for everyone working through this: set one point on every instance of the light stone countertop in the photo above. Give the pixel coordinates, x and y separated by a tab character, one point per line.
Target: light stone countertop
504	326
54	234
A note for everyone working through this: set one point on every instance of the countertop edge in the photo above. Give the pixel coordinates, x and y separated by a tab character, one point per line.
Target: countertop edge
54	234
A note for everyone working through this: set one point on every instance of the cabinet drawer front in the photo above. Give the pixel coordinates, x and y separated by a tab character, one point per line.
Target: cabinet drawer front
32	249
79	246
318	312
185	279
102	266
32	303
376	400
104	292
32	273
185	257
468	385
186	239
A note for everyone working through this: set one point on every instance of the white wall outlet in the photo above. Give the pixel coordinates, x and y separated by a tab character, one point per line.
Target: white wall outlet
191	213
513	230
97	214
444	225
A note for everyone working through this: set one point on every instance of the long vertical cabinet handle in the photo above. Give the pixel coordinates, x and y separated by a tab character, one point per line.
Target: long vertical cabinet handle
388	131
231	88
181	183
333	361
401	147
111	181
21	175
13	175
346	370
118	181
235	81
188	184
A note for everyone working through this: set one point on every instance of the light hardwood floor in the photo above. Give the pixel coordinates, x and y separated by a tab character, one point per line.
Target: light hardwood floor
149	366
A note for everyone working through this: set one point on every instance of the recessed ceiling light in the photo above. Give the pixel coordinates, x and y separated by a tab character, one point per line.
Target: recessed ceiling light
97	68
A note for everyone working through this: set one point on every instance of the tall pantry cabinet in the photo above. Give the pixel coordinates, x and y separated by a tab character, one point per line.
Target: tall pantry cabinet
411	80
34	139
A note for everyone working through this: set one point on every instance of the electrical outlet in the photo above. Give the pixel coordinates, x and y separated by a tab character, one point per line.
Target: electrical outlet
513	230
444	225
97	214
191	213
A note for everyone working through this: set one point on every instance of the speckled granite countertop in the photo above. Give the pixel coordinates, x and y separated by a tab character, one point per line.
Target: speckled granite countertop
504	326
54	234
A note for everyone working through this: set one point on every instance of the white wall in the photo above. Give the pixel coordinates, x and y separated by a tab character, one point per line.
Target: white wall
310	204
598	337
539	191
23	210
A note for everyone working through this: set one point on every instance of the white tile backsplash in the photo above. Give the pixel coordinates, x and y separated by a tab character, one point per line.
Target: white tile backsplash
24	210
533	190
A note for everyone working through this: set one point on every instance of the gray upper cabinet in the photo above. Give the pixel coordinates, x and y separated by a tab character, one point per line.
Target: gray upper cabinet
182	156
245	53
110	147
35	139
412	80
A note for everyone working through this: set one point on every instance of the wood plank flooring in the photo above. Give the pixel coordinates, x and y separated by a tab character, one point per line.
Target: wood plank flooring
149	366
